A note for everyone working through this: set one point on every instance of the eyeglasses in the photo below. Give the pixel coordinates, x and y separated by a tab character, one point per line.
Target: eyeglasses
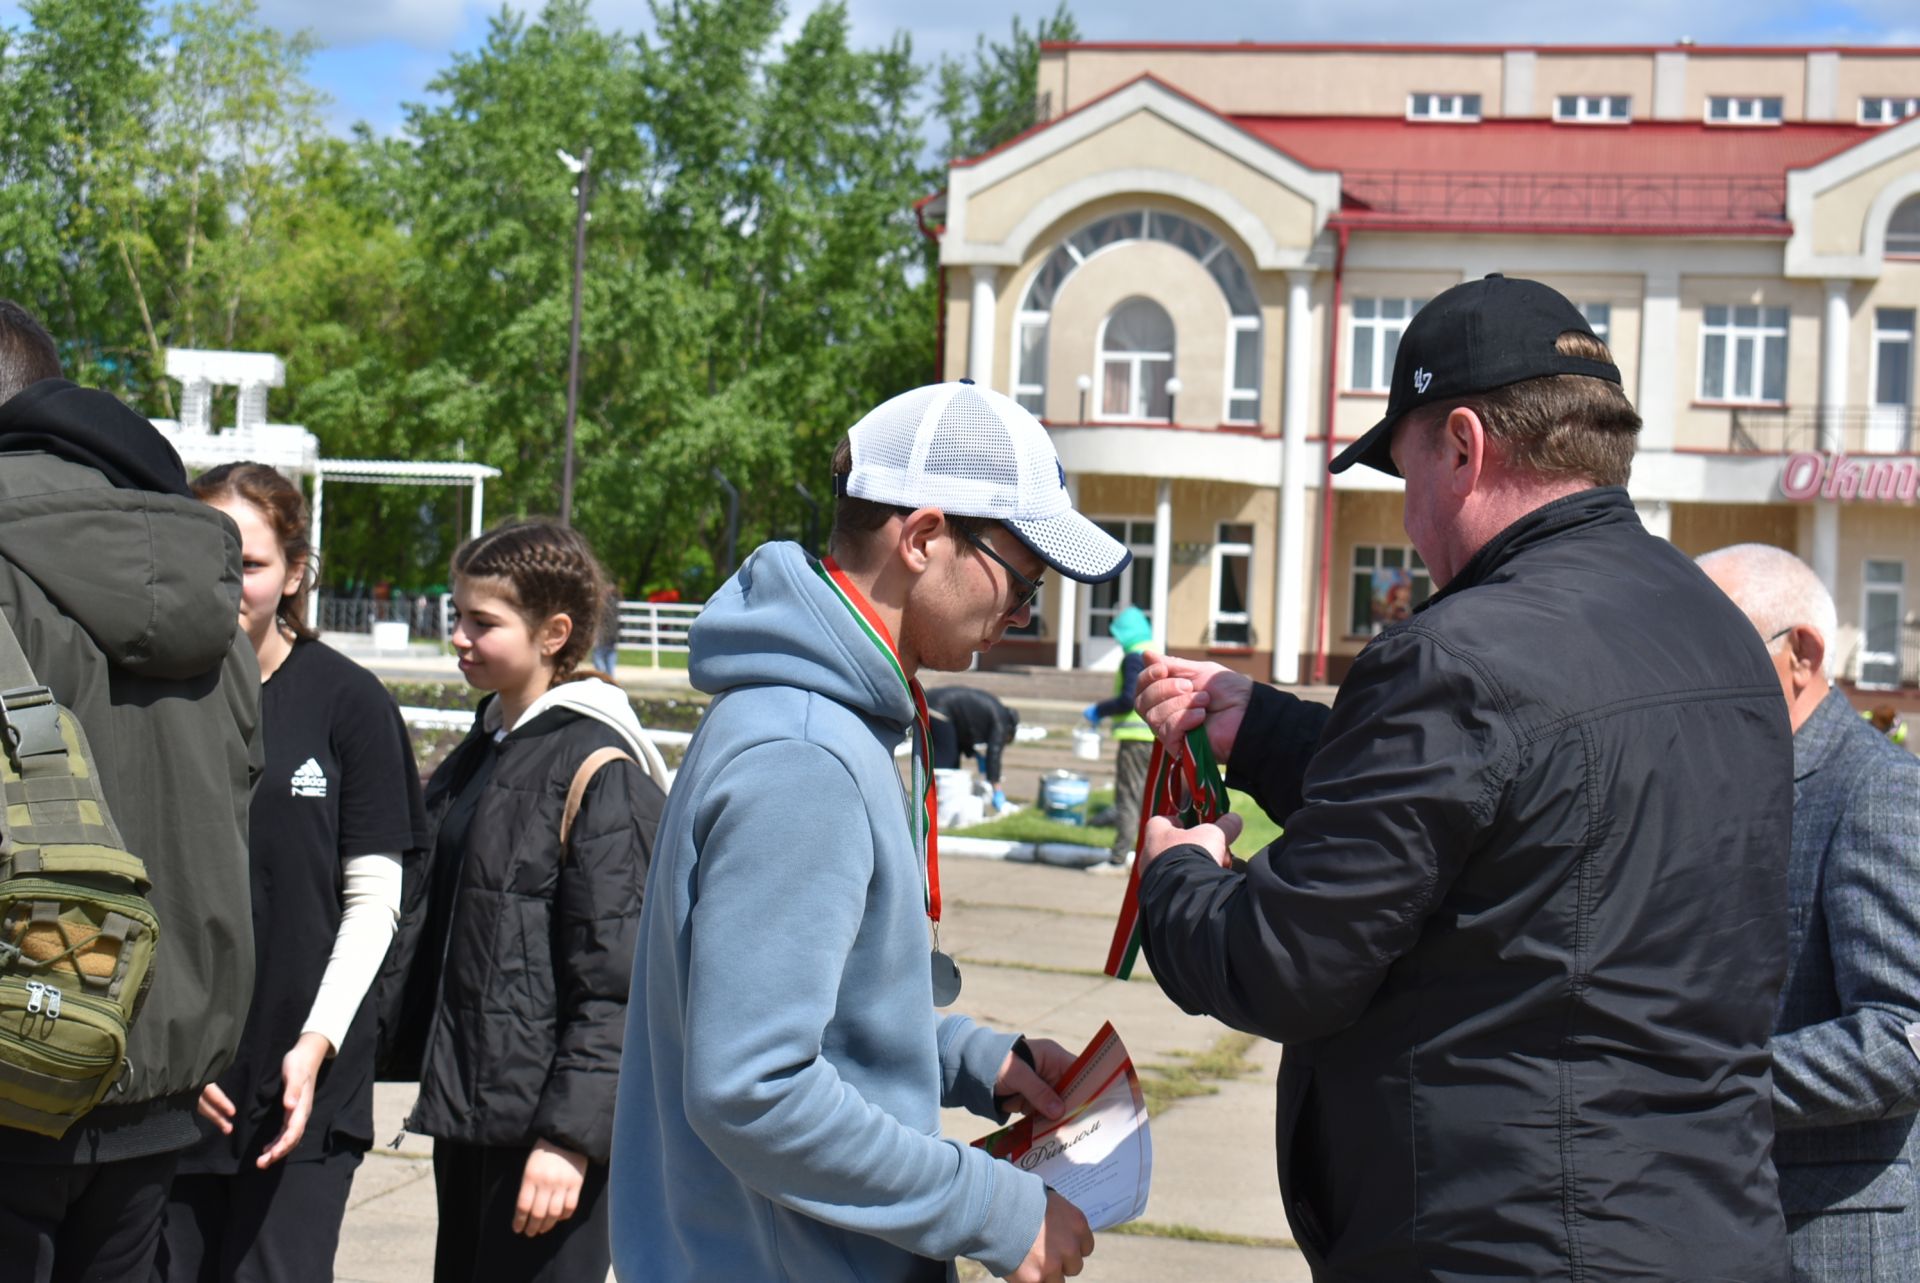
1782	633
1028	589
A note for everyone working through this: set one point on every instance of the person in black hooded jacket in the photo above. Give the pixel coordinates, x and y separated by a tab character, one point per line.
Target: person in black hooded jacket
124	592
1524	932
514	1007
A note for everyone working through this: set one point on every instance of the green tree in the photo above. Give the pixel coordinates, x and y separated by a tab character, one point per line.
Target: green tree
995	97
73	78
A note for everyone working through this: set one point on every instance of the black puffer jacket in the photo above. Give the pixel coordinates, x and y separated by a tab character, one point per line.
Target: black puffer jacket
519	995
1525	931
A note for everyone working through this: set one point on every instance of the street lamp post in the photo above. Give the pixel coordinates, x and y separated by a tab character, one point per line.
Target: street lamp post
1173	399
1085	383
583	177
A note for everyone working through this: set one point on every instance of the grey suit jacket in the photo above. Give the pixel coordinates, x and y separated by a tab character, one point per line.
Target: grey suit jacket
1846	1082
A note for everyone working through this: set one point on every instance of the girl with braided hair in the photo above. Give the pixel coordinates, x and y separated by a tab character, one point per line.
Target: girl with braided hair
542	824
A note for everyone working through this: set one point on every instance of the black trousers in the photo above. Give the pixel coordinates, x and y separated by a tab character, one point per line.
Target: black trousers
277	1226
477	1186
86	1223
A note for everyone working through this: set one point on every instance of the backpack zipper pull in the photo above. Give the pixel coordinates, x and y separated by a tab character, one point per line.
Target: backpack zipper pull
35	993
53	1003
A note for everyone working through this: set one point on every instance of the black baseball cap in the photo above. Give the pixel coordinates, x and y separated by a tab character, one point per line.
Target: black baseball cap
1475	337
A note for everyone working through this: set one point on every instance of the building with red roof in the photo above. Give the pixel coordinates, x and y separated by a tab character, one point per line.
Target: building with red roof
1196	268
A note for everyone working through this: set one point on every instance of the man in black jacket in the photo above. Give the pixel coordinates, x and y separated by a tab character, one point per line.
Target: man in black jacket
124	591
971	723
1524	934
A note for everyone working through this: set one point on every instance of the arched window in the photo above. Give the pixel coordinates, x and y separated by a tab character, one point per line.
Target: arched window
1903	229
1236	286
1136	360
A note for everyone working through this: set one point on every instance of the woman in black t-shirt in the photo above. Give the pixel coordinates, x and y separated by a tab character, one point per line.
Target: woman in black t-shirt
263	1194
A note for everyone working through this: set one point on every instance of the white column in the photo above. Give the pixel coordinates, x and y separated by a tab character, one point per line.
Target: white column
980	338
1834	326
1289	563
1835	323
1065	625
1659	337
1162	560
1826	544
1823	76
479	503
1516	83
313	542
1670	86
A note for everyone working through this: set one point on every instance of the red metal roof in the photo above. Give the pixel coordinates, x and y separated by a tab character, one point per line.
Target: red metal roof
1313	46
1520	146
1649	177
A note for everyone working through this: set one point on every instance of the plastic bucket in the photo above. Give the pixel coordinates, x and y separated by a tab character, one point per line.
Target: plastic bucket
1086	744
1063	796
954	789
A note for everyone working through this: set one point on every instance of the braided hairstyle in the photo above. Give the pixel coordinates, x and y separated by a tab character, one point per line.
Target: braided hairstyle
544	569
285	509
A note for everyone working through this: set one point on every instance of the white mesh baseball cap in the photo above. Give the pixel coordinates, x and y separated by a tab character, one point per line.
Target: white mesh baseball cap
974	452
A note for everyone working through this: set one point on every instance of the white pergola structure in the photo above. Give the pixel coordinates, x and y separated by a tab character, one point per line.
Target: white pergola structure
286	447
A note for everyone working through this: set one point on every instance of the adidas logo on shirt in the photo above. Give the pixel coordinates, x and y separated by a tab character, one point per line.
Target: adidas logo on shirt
310	780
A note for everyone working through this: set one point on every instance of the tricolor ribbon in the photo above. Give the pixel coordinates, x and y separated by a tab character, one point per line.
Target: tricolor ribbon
923	820
1185	786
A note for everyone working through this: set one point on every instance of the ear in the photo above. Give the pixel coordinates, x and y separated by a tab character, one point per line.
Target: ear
914	545
1809	651
1463	444
296	572
554	634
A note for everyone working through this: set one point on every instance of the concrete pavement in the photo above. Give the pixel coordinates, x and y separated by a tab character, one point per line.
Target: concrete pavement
1030	940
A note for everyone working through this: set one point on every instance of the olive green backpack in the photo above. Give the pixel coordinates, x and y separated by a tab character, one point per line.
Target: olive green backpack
76	931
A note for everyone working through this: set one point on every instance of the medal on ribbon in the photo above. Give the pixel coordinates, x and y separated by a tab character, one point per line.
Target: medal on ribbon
1185	786
922	802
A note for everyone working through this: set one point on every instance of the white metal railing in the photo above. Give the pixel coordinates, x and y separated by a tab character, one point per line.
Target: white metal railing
421	718
656	626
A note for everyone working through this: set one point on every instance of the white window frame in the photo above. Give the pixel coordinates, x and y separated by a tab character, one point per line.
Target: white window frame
1890	423
1602	325
1869	588
1444	107
1222	549
1592	109
1758	334
1381	375
1908	243
1411	561
1236	326
1205	246
1746	109
1029	392
1887	110
1094	620
1133	359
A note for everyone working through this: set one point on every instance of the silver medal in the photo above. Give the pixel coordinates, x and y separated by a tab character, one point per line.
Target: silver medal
946	980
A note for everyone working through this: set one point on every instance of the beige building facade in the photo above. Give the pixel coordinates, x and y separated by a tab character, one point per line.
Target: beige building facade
1197	268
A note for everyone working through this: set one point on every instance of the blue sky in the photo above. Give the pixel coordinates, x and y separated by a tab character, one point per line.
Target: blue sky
380	54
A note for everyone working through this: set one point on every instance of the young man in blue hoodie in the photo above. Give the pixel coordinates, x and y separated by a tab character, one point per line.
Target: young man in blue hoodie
785	1069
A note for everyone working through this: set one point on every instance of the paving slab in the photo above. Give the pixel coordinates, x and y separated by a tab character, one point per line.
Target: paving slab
1031	940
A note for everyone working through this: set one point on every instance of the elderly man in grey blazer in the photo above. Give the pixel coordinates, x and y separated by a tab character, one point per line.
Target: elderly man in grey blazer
1846	1075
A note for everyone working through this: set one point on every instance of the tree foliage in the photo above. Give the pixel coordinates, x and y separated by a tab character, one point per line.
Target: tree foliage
755	278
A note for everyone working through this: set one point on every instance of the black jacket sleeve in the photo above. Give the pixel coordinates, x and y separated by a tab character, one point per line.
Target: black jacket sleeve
596	926
1413	762
1276	742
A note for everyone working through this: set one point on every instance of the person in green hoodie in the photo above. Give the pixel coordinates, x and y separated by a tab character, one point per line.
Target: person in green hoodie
124	591
1133	738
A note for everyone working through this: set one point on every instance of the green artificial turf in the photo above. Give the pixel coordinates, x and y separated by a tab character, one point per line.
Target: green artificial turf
1030	826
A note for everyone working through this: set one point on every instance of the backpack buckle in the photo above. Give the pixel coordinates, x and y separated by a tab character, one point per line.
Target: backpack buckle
29	724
